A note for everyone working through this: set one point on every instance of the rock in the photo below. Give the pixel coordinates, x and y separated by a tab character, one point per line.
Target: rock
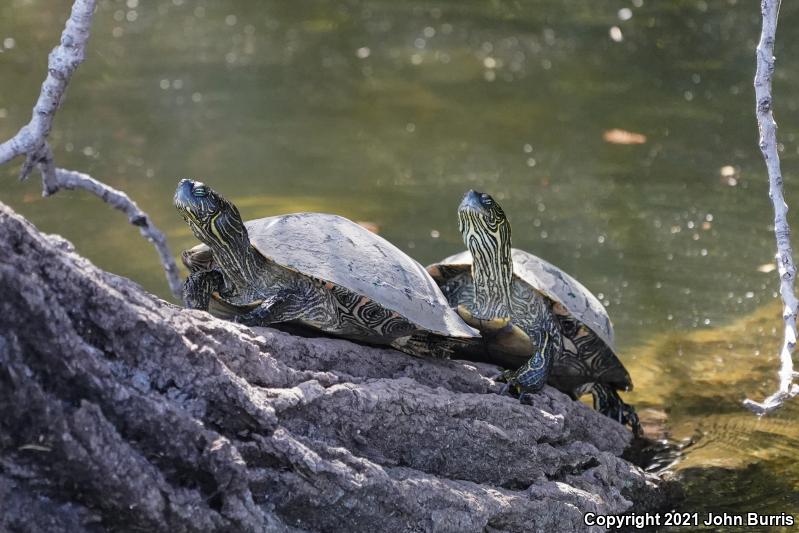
122	412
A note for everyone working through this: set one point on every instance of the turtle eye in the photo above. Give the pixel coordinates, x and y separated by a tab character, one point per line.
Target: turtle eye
200	191
487	200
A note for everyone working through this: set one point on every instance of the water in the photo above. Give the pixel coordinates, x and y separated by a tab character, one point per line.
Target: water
387	112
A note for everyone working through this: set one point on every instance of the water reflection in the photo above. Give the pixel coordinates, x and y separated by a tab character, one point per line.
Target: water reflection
619	138
737	462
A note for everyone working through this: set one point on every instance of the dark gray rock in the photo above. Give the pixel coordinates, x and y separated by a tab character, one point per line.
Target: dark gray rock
122	412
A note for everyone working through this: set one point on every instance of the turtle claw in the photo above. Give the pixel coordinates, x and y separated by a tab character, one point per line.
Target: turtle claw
509	385
630	417
512	387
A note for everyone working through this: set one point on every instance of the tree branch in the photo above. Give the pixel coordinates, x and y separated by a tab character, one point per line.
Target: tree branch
785	266
31	140
61	64
70	179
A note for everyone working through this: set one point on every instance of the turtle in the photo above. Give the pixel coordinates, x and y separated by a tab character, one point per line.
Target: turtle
569	326
317	270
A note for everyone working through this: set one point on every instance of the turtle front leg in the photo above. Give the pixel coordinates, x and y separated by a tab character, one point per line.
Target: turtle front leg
500	335
199	286
532	376
283	305
608	402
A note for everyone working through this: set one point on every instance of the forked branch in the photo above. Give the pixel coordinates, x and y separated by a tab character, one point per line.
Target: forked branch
31	140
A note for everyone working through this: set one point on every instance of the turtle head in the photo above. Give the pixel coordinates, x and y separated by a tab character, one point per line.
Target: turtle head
486	232
484	227
213	220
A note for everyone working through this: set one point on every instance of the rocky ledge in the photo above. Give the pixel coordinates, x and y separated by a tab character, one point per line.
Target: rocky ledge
122	412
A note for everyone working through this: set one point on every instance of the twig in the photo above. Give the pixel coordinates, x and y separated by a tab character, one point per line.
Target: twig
31	140
768	146
70	179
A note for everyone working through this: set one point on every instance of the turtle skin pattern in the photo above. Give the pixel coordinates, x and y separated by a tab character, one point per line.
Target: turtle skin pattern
531	312
311	302
321	305
580	361
585	358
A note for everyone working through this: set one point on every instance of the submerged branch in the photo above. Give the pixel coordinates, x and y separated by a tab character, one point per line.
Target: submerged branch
31	140
784	257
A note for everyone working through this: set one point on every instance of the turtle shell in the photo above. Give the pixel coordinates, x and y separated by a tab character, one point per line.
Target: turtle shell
335	249
555	284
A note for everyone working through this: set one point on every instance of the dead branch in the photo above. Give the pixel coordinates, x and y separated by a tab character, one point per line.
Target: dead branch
785	266
31	140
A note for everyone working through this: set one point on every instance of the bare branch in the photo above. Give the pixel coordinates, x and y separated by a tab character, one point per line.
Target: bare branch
62	63
70	179
785	266
31	140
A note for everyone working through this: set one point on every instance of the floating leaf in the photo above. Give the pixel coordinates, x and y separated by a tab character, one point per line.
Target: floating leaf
617	136
766	268
371	226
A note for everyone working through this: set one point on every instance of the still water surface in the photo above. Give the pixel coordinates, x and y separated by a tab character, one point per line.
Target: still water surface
388	111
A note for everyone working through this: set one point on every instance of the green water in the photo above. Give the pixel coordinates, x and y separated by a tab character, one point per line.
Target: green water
388	111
